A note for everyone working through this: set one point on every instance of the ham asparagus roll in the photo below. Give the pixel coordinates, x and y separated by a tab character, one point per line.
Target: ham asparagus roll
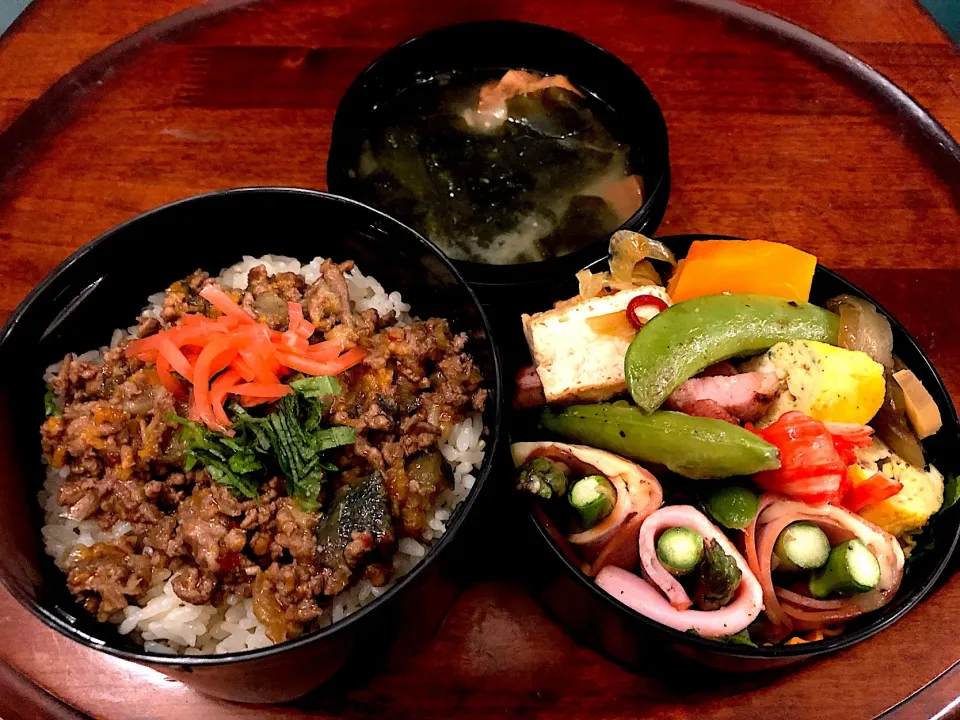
853	566
679	541
610	497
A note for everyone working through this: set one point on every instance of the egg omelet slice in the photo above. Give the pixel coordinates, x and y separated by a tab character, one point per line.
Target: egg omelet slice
828	383
911	508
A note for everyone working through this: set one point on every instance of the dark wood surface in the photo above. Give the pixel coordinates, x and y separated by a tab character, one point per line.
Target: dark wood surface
764	143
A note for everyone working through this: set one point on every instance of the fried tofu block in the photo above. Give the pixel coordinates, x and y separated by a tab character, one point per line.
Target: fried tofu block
579	347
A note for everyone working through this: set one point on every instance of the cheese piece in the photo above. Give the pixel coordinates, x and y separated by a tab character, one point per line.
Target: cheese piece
576	360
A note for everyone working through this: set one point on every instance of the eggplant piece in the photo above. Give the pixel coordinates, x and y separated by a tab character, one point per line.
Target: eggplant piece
357	525
271	309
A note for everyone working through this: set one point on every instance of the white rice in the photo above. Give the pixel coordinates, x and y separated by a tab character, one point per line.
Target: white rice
165	623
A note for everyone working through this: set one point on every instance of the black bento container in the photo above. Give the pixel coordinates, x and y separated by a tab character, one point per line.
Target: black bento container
478	49
599	620
104	285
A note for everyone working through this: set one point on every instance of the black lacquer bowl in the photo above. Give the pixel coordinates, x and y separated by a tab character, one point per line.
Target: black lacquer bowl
483	50
104	285
599	620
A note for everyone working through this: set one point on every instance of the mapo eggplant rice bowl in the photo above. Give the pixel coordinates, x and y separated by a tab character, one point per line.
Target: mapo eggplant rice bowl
263	451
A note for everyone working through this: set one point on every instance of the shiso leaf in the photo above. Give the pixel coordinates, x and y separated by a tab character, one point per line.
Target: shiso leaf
289	440
50	407
317	387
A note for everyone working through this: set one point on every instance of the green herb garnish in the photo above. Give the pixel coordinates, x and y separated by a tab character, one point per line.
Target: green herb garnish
216	452
50	407
296	441
335	436
317	387
740	638
951	491
290	440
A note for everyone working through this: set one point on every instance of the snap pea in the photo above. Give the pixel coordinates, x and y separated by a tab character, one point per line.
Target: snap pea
733	506
593	498
694	447
542	477
680	550
692	335
851	569
801	546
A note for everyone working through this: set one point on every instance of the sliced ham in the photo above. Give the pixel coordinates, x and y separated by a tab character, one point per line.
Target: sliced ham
659	596
736	398
638	494
788	611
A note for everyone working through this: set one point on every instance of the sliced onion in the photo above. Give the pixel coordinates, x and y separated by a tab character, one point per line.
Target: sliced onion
892	427
629	249
863	328
804	601
645	274
591	284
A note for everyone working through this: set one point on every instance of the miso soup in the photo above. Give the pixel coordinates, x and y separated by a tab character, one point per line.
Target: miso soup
510	169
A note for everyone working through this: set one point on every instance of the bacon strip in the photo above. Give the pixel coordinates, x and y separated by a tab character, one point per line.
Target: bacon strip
788	611
733	398
659	596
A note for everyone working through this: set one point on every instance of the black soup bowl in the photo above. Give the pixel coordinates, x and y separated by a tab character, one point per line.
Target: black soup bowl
483	51
104	285
599	620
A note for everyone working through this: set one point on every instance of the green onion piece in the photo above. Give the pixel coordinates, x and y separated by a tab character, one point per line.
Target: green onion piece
50	407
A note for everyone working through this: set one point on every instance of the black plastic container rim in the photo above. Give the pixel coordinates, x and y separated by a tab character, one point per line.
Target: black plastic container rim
821	647
359	616
657	189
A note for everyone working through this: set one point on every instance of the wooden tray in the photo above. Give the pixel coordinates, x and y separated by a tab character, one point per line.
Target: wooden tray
766	141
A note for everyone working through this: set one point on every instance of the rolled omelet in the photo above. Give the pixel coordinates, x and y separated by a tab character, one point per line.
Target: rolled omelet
828	383
911	508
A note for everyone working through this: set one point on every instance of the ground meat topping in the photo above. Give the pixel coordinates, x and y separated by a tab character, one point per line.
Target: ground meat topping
266	296
104	575
116	444
414	385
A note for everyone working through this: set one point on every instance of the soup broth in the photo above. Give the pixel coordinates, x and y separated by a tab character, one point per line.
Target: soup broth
513	169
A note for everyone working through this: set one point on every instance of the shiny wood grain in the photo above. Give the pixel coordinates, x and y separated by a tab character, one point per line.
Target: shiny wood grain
765	142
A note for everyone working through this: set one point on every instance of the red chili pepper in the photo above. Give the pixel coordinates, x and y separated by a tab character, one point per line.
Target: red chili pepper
813	457
641	301
811	470
872	490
